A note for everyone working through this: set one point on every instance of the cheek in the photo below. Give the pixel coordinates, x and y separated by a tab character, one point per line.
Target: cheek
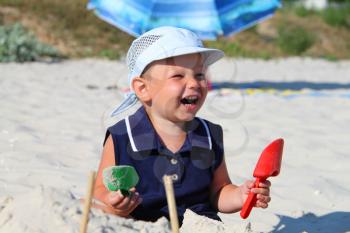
175	88
204	88
205	92
166	93
172	89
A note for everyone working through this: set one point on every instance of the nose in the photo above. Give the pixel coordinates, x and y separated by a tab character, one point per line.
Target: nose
194	82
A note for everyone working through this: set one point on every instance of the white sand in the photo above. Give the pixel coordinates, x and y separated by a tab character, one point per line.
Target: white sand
53	120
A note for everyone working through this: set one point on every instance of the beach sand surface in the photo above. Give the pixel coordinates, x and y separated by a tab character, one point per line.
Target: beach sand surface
54	117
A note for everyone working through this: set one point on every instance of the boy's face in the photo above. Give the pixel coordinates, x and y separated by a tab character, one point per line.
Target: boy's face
177	87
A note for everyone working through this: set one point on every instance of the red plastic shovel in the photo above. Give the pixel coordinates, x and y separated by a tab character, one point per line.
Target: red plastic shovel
269	164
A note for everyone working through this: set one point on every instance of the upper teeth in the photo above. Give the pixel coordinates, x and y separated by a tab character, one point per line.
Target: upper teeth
189	100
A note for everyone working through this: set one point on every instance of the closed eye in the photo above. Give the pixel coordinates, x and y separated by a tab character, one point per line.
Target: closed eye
177	76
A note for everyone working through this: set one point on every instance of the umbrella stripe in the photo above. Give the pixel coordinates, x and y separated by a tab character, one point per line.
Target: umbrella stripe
241	24
207	18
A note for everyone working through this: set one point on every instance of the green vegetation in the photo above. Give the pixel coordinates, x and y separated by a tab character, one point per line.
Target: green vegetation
294	40
17	45
303	12
76	32
234	49
337	16
68	23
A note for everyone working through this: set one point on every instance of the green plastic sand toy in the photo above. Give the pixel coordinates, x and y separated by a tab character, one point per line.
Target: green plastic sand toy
121	178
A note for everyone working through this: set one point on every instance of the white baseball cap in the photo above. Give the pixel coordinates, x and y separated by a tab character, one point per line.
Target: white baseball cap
158	44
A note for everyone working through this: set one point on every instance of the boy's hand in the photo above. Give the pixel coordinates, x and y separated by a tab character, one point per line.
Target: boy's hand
116	203
263	192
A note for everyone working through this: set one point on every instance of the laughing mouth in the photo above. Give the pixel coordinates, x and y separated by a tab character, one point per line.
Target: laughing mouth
190	100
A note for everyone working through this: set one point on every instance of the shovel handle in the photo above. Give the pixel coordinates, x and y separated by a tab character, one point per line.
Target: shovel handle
249	202
248	205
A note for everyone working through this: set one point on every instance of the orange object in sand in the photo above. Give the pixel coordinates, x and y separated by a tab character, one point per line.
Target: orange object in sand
269	164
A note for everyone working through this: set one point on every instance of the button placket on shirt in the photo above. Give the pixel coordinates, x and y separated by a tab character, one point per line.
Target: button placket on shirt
175	167
174	161
174	177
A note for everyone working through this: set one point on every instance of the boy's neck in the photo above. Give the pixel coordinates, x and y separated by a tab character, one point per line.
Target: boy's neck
172	134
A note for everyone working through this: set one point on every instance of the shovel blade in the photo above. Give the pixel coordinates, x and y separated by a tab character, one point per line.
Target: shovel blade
269	163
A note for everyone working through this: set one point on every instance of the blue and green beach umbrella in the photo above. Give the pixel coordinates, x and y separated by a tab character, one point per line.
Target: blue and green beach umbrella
207	18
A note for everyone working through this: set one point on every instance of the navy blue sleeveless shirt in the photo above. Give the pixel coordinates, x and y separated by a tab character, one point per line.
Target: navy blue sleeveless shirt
137	144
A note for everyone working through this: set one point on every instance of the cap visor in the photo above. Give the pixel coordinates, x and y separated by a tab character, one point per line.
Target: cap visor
211	55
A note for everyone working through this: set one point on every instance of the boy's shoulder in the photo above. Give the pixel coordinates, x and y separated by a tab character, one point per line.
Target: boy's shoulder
208	123
215	130
130	122
118	128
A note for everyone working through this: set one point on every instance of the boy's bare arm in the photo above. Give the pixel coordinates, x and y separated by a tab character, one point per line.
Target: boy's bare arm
229	198
225	196
107	160
112	202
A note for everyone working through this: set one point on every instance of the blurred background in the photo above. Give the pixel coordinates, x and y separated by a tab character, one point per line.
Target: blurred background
33	29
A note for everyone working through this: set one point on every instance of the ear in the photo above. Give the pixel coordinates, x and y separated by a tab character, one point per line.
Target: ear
139	86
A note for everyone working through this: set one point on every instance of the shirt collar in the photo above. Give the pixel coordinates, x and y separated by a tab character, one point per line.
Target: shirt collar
142	135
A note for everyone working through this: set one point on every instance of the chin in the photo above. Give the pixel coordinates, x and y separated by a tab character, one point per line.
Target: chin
187	117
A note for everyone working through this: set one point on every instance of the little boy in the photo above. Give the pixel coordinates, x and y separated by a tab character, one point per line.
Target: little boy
167	73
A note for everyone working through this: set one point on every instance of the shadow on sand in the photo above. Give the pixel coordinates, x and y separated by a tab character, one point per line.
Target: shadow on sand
299	85
335	222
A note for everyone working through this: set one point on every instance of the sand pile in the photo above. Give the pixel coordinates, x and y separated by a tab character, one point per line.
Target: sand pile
196	223
51	210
